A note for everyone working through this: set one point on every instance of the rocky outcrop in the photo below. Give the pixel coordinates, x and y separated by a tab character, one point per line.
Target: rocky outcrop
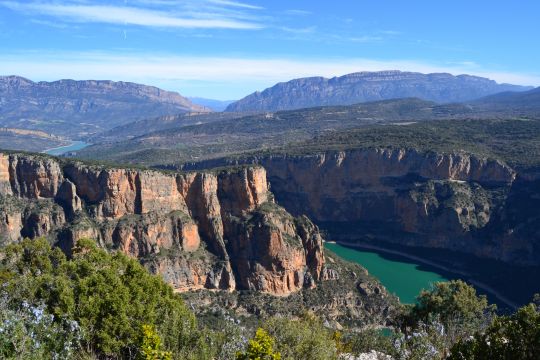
214	230
370	86
345	296
455	200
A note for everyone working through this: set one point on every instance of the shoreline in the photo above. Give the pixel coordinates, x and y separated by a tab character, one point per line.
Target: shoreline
488	289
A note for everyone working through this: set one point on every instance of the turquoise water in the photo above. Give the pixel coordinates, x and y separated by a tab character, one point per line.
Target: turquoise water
74	146
403	278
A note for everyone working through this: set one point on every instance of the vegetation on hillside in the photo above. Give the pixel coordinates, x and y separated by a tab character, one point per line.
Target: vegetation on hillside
413	123
100	305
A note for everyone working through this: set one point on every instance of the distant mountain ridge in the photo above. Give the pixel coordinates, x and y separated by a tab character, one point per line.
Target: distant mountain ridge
75	108
370	86
526	100
215	105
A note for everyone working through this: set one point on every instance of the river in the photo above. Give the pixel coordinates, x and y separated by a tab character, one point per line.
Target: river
407	276
74	146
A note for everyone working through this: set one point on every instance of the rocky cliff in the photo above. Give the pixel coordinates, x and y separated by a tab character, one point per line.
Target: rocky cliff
369	86
77	108
218	230
452	201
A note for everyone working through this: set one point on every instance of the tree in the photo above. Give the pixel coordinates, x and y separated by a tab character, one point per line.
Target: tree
109	295
450	300
508	337
261	347
444	315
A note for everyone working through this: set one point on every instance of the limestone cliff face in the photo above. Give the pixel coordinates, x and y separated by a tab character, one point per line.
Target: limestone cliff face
454	201
216	230
369	86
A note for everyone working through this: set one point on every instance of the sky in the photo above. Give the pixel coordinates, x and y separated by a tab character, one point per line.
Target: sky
226	49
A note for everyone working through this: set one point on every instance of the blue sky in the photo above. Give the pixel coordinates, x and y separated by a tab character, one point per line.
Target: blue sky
225	49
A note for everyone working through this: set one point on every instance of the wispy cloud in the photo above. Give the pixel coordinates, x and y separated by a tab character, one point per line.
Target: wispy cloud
136	15
298	12
236	4
49	23
304	30
153	69
364	38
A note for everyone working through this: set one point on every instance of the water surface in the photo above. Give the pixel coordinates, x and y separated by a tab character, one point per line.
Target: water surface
404	278
74	146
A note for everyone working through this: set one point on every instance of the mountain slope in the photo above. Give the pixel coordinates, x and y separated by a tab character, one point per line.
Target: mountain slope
147	126
179	143
370	86
527	100
77	108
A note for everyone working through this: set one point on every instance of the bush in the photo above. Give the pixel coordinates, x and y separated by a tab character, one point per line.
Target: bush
30	332
261	347
508	337
303	339
110	297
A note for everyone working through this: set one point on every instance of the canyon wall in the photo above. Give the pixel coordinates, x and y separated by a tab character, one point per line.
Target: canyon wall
213	230
453	201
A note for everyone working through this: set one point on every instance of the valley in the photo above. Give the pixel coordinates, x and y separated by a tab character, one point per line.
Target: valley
188	228
232	209
269	180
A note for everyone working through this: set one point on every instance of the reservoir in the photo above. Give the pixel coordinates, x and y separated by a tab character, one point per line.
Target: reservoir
74	146
403	278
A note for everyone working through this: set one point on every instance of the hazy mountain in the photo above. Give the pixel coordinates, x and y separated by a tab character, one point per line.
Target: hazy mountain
215	105
527	100
370	86
77	108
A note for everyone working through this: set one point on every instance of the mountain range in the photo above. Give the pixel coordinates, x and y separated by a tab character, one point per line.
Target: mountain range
370	86
77	108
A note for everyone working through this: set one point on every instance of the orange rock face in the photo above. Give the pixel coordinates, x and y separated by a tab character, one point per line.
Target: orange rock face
199	230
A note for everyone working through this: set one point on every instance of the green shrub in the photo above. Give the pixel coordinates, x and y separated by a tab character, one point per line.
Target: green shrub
261	347
508	337
303	339
110	297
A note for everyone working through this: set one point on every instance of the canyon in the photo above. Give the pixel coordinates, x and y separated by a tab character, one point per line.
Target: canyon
455	200
204	230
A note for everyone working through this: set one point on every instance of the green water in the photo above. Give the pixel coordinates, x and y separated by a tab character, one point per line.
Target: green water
403	278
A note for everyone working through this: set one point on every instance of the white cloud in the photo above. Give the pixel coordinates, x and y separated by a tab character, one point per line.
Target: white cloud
132	15
244	75
236	4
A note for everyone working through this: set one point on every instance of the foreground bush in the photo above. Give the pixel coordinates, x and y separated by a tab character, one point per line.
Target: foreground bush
508	337
261	347
110	297
303	339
